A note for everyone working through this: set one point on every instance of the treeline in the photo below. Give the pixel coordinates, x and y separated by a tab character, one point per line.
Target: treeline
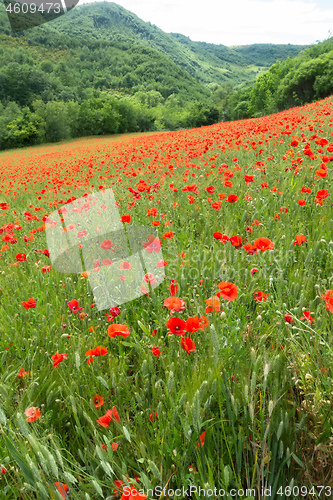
58	120
293	82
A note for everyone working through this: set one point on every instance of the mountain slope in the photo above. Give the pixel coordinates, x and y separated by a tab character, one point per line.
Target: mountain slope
208	63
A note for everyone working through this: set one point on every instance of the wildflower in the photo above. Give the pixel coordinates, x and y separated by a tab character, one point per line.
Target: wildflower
150	278
301	202
98	400
176	326
152	416
175	304
118	329
126	218
254	270
307	316
98	351
328	297
21	257
104	420
202	439
300	239
263	244
29	304
22	373
74	306
156	351
213	304
232	198
114	311
187	344
260	296
32	413
173	287
228	291
153	245
288	318
236	241
45	269
63	489
168	235
57	358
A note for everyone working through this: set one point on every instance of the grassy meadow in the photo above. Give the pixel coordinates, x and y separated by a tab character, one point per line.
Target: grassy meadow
220	377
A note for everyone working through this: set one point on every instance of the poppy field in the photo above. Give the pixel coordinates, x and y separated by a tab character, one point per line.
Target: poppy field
218	378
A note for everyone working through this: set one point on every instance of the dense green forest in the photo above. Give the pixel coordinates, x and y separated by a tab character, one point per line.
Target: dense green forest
100	69
293	82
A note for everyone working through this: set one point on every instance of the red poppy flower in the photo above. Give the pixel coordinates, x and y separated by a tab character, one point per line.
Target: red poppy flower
156	351
210	189
232	198
307	316
175	304
213	304
22	373
29	304
63	489
152	416
236	241
57	358
98	351
21	257
173	287
187	344
263	244
192	324
301	202
260	296
106	244
161	263
45	269
228	291
74	306
126	218
202	439
32	413
254	270
115	311
250	249
104	420
306	190
249	179
288	318
168	235
119	329
125	266
98	400
176	326
284	210
300	239
150	278
82	234
328	297
153	245
321	194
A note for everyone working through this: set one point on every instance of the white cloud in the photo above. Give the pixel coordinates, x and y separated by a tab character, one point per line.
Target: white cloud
238	22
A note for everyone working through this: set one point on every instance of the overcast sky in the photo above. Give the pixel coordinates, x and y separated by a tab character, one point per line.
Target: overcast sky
238	22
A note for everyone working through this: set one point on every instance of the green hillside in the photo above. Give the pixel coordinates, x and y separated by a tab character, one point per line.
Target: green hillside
293	82
100	69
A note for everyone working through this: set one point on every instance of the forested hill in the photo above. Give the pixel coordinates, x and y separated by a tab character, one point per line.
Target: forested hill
208	63
293	82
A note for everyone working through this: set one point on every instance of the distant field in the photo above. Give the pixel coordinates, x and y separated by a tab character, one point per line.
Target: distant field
221	376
